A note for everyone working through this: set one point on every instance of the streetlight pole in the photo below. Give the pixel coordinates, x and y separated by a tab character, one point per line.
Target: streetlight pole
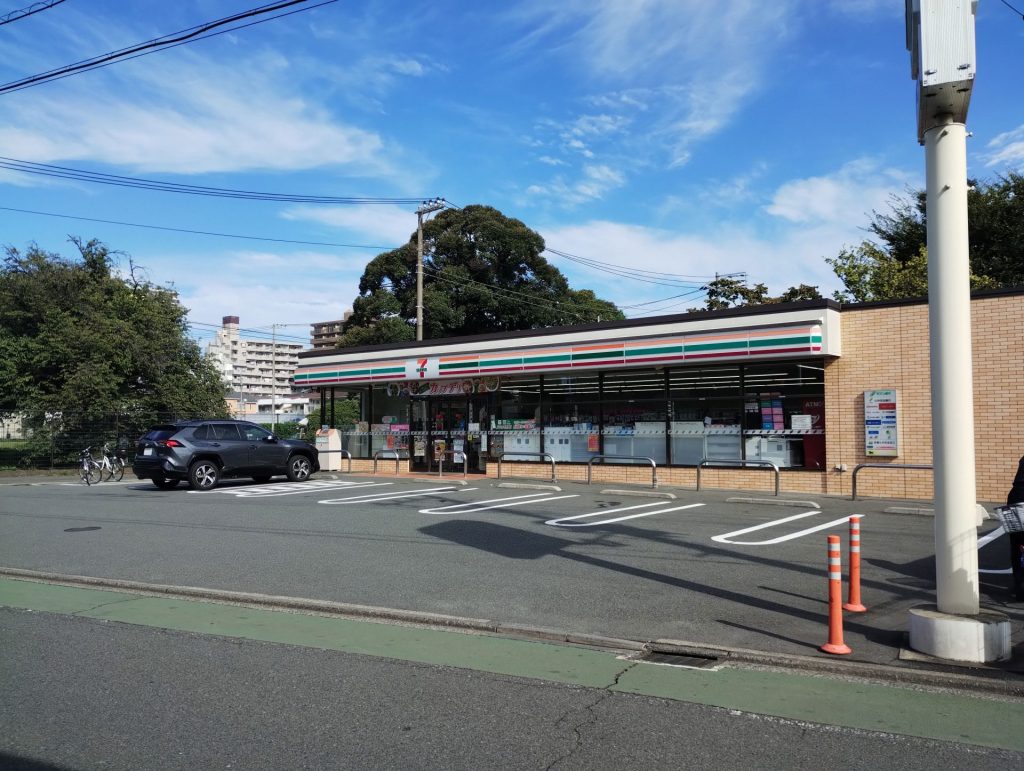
427	207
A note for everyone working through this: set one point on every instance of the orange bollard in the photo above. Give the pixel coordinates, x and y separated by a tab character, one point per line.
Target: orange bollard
835	642
853	602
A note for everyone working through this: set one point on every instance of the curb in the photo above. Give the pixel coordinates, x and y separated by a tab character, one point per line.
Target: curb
993	682
529	486
640	493
774	502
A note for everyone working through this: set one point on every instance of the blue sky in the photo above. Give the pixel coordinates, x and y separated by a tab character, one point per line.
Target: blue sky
684	136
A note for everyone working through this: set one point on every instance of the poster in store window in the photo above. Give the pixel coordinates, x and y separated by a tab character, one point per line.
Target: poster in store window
881	433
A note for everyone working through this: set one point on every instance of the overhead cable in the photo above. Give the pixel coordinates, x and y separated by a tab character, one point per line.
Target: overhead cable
64	172
195	232
43	5
170	40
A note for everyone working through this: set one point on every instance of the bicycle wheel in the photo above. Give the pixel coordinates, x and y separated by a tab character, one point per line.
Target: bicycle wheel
116	469
90	473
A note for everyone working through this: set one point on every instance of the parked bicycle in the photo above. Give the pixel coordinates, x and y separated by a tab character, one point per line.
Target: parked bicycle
112	465
89	468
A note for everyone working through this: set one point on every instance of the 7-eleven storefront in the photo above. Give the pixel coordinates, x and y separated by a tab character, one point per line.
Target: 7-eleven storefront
678	390
814	387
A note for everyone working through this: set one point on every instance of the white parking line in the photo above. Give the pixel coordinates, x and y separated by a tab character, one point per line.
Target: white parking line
289	488
727	537
499	503
563	520
393	496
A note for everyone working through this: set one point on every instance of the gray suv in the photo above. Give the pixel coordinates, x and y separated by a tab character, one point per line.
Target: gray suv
205	451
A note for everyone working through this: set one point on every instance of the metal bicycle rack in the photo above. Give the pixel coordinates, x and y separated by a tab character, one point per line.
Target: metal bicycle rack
541	455
379	455
741	464
654	466
859	466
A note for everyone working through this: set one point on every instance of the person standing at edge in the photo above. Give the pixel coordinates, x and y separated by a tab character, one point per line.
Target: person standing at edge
1016	495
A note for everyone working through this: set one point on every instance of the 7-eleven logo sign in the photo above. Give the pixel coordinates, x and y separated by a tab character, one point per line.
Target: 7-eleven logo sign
426	368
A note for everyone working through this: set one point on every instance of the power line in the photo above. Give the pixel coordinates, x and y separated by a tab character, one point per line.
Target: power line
195	232
547	304
1012	8
64	172
262	334
170	40
44	5
600	263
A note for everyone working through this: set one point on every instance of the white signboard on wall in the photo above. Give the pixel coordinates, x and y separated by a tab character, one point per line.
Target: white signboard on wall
881	435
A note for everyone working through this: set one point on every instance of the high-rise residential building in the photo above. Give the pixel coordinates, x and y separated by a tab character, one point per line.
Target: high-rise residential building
254	371
324	334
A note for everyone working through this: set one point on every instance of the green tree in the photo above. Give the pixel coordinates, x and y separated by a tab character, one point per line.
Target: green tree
80	343
483	272
728	292
896	264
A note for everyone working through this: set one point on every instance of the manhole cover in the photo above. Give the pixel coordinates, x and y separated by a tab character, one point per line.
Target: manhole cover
80	529
680	659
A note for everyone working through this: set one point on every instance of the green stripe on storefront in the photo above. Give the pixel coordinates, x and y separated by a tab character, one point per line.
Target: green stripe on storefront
714	346
500	362
537	359
616	354
654	351
773	341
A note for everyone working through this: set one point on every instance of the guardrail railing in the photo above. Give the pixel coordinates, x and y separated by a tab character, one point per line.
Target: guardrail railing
541	455
379	455
344	454
859	466
654	466
741	464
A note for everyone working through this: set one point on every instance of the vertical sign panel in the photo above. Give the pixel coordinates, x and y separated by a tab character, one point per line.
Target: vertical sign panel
881	437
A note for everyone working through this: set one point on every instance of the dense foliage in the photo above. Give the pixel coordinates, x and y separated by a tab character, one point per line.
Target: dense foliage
895	264
483	272
79	344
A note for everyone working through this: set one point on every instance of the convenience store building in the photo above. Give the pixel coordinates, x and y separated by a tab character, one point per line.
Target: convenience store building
813	387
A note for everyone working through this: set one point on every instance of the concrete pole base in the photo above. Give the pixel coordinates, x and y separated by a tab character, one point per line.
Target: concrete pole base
977	639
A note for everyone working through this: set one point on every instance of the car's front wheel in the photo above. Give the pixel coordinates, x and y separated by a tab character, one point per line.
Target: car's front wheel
299	468
165	484
203	475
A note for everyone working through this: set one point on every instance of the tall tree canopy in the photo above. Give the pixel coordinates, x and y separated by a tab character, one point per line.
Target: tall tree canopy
895	265
482	272
79	342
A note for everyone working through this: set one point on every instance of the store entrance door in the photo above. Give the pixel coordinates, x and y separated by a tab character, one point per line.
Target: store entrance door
449	430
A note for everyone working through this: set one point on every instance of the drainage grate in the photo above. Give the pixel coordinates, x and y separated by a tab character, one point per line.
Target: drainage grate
690	660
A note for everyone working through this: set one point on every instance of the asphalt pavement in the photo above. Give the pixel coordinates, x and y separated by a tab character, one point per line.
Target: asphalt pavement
741	577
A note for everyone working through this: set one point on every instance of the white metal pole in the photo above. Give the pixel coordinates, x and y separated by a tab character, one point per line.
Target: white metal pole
949	314
273	374
419	274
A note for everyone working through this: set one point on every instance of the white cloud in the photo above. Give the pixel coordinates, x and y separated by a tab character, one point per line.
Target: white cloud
384	224
189	117
855	190
551	161
597	180
1006	148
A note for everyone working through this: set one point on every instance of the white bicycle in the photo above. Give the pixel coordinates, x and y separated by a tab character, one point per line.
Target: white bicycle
112	465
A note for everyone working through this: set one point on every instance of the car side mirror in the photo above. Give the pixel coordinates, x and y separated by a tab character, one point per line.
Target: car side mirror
272	439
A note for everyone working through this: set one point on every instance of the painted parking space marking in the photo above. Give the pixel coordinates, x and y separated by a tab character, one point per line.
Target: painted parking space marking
290	488
569	521
499	503
394	495
727	537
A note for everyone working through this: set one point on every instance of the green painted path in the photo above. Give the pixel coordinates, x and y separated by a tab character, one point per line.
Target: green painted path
927	714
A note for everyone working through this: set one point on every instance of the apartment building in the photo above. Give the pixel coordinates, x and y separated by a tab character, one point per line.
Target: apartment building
254	369
324	334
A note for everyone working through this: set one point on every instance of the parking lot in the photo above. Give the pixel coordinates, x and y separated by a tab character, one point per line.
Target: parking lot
714	567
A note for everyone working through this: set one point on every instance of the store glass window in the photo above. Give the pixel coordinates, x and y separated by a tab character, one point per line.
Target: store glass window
706	414
389	420
572	412
635	412
784	413
516	428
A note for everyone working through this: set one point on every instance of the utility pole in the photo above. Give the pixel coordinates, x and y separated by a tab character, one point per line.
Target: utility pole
428	206
273	374
941	41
